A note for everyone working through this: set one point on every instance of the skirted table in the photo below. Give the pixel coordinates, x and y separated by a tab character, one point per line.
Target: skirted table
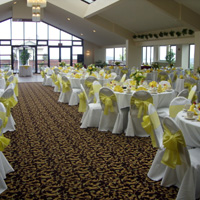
25	70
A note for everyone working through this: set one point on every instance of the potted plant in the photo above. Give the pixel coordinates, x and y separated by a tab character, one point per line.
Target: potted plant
170	58
25	55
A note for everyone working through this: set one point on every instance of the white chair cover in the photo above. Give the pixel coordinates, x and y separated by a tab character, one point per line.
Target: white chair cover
96	87
48	80
183	93
123	78
114	120
92	114
157	169
134	127
187	175
192	92
11	123
57	88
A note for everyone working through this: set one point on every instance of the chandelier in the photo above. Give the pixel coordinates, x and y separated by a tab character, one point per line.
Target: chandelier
36	8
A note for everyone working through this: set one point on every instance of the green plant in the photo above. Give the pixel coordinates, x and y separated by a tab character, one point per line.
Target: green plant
170	58
25	55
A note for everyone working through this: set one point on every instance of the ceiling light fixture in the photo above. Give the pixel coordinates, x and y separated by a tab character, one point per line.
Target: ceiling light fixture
36	8
94	31
68	19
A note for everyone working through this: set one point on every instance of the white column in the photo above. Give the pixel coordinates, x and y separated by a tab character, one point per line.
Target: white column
133	54
197	50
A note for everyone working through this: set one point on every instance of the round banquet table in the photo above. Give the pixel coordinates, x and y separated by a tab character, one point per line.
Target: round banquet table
190	129
25	71
160	100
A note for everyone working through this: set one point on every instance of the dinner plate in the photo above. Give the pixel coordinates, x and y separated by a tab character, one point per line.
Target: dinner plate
186	117
169	90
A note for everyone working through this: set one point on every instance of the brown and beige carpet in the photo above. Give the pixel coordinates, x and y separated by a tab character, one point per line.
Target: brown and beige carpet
54	159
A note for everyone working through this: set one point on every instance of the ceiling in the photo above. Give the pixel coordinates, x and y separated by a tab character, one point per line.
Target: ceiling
117	21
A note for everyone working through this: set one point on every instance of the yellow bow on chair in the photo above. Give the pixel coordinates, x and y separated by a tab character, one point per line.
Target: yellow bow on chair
65	86
108	102
141	105
4	120
42	73
171	142
8	103
89	85
16	86
188	86
54	78
82	102
4	142
147	126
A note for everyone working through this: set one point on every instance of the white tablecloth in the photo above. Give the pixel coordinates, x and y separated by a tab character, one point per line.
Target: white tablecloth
190	129
160	100
25	72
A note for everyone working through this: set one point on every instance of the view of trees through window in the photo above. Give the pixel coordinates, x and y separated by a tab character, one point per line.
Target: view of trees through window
114	55
46	44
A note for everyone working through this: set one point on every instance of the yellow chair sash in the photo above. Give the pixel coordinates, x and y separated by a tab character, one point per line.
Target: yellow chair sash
65	86
4	120
146	124
57	83
89	85
188	86
175	77
82	102
124	71
171	142
141	105
16	86
4	142
8	103
108	102
42	73
162	77
54	78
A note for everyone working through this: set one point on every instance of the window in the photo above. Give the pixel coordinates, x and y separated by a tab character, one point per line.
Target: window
147	55
116	55
162	52
173	49
191	56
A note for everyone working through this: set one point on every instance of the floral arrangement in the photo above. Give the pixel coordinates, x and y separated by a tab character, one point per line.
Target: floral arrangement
138	76
62	64
117	63
91	68
153	84
78	66
155	65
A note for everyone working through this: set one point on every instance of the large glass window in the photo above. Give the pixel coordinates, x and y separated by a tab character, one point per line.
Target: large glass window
147	55
191	56
173	49
162	53
37	36
116	55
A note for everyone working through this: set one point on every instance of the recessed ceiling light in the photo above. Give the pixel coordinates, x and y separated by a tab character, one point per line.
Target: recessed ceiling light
14	2
94	31
81	33
68	19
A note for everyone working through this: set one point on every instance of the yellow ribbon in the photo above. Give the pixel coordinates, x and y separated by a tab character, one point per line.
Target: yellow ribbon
89	85
108	102
4	142
146	124
188	85
65	86
42	73
141	105
57	83
82	102
124	71
8	103
4	120
16	86
54	78
171	142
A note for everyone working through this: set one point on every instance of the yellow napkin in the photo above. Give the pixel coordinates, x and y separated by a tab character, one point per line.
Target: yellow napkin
118	88
153	84
193	109
77	76
141	88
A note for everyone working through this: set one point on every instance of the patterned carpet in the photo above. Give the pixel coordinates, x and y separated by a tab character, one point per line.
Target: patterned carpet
54	159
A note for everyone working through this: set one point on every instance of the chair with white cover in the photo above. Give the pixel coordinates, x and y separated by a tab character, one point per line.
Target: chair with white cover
111	117
91	111
57	83
89	87
8	100
96	87
48	80
163	76
123	78
176	105
183	93
182	165
68	95
5	167
138	107
113	75
165	83
151	123
192	92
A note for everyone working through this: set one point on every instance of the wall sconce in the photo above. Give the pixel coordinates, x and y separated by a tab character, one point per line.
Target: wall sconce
87	53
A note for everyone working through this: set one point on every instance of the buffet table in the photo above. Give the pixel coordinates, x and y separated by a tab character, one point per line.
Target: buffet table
25	70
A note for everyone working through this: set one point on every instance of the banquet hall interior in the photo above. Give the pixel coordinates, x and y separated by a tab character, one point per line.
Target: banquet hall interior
99	99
